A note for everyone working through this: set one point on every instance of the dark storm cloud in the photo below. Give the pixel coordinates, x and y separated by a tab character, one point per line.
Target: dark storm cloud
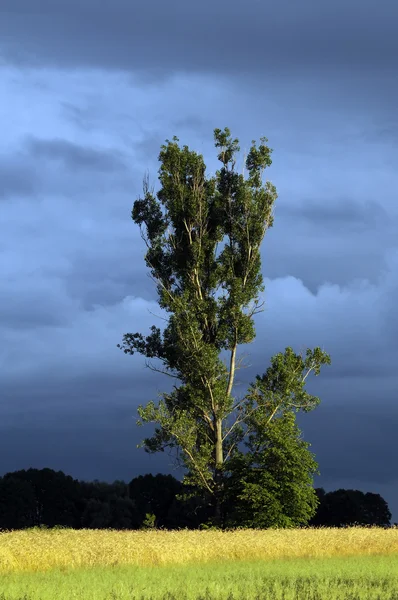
16	179
101	435
149	147
389	134
82	117
97	452
108	411
346	455
201	36
36	302
75	156
338	212
194	123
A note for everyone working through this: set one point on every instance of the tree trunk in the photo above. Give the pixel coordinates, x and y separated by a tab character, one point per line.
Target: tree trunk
218	479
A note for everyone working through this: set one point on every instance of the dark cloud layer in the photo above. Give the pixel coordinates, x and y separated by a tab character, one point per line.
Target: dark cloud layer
206	36
75	156
16	179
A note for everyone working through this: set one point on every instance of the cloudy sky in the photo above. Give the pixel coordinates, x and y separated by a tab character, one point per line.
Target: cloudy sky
89	92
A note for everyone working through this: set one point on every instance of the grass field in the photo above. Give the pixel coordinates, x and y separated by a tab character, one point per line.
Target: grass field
355	563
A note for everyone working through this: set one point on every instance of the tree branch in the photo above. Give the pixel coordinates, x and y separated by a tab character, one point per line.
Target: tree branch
160	371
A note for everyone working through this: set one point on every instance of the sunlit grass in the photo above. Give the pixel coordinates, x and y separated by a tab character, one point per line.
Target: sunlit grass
310	564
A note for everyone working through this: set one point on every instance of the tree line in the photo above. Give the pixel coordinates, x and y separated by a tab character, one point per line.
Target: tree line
44	497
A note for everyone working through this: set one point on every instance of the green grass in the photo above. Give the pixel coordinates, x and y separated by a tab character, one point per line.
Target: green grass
345	578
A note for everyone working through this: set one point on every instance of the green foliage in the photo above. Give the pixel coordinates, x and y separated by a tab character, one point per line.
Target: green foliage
191	215
271	485
149	521
208	526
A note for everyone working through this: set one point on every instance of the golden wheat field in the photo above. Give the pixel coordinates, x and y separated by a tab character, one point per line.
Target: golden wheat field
60	558
41	550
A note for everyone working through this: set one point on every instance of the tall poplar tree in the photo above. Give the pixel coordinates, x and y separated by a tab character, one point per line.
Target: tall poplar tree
201	418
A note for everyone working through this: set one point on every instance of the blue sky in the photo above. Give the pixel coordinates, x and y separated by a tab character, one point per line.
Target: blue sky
89	92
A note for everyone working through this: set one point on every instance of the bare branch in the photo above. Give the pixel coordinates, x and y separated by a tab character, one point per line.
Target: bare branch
157	316
238	404
238	420
229	451
160	371
194	463
232	365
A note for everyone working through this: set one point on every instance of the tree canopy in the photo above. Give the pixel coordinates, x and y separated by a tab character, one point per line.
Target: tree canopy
212	299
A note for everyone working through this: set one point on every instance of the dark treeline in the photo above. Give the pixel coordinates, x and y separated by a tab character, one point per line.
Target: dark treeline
43	497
